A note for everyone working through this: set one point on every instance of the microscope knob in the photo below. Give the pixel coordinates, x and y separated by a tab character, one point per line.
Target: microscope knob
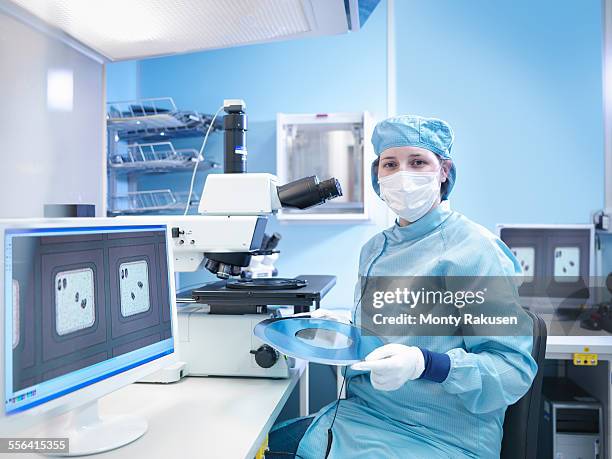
265	356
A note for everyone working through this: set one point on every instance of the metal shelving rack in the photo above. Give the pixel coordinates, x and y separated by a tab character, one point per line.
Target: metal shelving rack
145	202
140	134
156	157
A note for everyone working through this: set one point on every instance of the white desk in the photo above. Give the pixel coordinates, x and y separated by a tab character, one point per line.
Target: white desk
200	417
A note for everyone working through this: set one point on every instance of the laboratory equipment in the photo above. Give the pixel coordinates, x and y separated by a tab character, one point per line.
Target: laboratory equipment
223	319
571	422
232	223
227	299
224	345
262	265
317	340
328	144
601	316
601	220
265	284
88	307
235	206
223	239
235	127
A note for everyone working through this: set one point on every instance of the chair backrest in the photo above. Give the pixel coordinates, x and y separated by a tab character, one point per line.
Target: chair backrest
522	419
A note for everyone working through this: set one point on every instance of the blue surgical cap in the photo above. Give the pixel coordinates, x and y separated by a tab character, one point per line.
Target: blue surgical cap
414	131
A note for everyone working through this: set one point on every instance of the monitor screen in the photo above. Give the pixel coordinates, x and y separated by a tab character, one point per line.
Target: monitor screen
555	261
82	305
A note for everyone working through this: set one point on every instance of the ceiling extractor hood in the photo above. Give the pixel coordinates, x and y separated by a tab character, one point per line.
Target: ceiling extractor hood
130	29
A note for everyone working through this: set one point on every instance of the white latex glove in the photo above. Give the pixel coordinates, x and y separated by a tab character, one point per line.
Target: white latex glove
339	315
391	365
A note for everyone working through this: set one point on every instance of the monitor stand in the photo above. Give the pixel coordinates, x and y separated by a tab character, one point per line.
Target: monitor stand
90	433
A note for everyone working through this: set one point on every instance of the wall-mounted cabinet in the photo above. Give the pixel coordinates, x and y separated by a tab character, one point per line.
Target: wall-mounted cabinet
327	145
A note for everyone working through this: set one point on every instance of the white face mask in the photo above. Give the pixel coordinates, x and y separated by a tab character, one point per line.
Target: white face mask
410	194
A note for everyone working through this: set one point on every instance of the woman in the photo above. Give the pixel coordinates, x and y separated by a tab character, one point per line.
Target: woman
421	396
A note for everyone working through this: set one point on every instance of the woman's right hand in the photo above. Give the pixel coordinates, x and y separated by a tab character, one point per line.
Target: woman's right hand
339	315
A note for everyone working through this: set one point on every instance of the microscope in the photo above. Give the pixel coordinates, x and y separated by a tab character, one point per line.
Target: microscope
216	322
235	205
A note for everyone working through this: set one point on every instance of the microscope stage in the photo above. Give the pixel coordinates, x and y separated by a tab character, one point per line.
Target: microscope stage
219	294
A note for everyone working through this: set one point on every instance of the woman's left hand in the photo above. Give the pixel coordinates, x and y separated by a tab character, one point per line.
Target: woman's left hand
391	365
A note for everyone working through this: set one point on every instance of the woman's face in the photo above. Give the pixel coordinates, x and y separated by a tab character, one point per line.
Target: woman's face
411	159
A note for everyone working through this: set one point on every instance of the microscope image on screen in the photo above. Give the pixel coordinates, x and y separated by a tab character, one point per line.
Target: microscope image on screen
134	287
83	299
74	301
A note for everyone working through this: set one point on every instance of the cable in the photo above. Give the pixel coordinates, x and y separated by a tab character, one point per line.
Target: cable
344	380
330	434
199	158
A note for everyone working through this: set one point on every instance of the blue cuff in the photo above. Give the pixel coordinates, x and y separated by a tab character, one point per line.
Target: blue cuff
437	366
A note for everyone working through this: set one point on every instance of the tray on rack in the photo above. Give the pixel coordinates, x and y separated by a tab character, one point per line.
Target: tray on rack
150	201
154	119
157	157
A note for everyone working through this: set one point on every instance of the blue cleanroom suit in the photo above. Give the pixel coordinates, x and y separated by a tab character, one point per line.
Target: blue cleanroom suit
460	417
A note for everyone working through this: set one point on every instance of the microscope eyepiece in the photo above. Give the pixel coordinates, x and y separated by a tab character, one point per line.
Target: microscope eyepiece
330	188
308	191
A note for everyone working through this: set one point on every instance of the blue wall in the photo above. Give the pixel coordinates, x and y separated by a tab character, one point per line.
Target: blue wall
122	81
520	82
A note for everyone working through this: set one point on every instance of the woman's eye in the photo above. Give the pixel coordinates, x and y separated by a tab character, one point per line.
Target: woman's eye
389	165
418	163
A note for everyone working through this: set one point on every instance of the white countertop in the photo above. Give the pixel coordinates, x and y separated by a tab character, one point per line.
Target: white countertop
200	417
204	417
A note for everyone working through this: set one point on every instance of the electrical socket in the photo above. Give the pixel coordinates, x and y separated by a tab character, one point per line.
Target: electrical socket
526	258
74	300
134	287
567	264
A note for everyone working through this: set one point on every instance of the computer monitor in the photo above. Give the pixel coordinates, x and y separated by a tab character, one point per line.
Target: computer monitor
88	307
557	263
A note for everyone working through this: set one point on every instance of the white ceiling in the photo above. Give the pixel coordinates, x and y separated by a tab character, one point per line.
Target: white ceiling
127	29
